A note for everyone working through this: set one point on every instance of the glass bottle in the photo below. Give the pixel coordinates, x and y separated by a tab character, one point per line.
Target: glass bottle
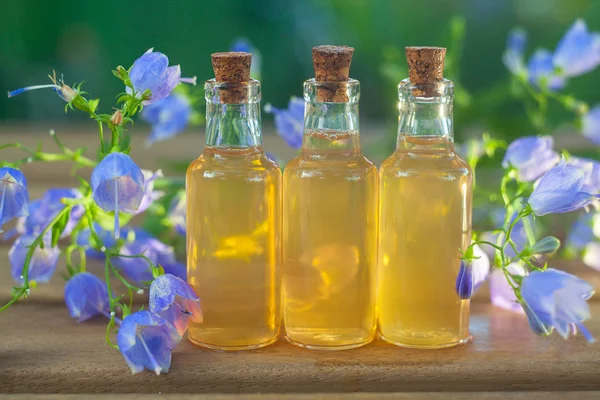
234	220
425	215
330	223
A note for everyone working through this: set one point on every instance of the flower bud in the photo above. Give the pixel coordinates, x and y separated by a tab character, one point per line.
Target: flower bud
464	280
67	93
547	245
116	118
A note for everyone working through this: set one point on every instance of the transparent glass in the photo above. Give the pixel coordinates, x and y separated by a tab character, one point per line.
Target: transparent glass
330	229
425	214
234	227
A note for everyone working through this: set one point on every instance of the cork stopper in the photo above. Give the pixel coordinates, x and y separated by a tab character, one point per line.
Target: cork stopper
426	68
232	67
332	67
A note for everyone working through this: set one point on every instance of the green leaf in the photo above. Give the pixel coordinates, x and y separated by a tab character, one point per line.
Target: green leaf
126	310
58	228
93	104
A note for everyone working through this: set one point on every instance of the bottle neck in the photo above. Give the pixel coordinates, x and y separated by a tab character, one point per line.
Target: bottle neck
331	127
425	119
233	125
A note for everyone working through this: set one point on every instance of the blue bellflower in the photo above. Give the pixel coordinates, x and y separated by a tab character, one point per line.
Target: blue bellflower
14	195
86	296
515	48
174	300
51	205
150	195
591	171
578	52
590	125
556	299
43	261
471	275
542	72
146	341
581	233
168	117
152	72
560	190
117	185
138	269
501	293
176	216
290	122
244	45
84	239
532	156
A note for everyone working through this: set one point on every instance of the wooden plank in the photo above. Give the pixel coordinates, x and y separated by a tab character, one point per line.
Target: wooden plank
44	351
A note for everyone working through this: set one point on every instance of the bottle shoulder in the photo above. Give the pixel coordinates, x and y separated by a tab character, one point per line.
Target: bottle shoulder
252	163
401	161
301	167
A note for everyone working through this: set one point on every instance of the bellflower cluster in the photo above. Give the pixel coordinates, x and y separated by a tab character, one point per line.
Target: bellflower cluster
577	53
118	190
536	183
547	73
289	122
146	338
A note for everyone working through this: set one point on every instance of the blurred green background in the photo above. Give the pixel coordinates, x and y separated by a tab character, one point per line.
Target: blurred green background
84	40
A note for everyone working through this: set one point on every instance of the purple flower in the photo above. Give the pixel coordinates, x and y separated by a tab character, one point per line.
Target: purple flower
14	196
590	125
591	170
581	233
578	51
177	213
177	269
51	205
532	156
464	280
150	195
168	117
42	264
501	294
86	296
146	341
542	72
290	122
560	190
513	55
471	275
556	299
138	269
117	185
84	239
152	72
244	45
174	300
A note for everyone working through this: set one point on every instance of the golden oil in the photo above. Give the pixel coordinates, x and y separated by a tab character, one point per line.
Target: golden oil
425	222
234	226
330	228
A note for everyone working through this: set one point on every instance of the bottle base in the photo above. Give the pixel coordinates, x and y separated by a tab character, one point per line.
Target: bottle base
330	346
233	347
423	345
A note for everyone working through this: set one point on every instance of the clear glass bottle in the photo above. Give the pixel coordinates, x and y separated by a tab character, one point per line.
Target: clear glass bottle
330	227
234	225
425	220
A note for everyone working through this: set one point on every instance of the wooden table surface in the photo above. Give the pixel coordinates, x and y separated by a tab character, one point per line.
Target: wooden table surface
43	350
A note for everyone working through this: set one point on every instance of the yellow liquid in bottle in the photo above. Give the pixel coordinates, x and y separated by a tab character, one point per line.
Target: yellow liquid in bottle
233	247
330	247
425	218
